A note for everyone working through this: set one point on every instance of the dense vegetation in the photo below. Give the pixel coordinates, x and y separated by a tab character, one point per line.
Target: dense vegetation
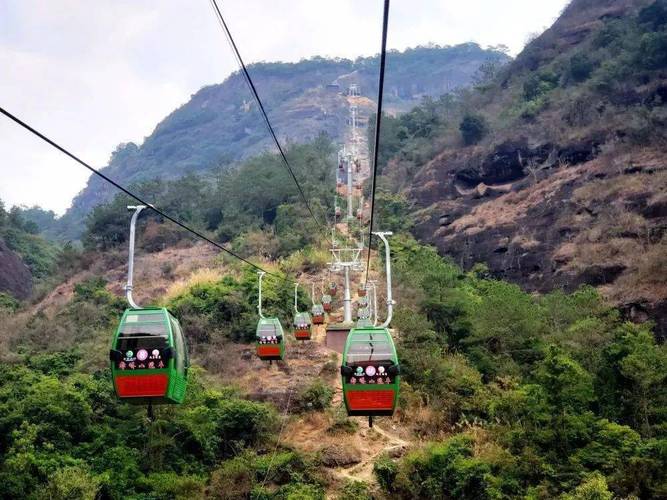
20	234
540	395
518	396
65	436
256	206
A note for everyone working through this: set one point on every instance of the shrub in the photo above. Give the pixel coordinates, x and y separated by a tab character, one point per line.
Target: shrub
580	68
655	15
72	482
243	423
538	84
446	470
315	397
178	487
300	492
234	479
8	303
385	470
355	490
592	488
341	423
653	50
473	128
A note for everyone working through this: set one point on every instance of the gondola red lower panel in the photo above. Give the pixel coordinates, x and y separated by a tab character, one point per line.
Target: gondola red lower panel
370	400
302	334
268	351
136	386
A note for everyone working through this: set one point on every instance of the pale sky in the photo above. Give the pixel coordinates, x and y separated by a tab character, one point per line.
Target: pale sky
93	74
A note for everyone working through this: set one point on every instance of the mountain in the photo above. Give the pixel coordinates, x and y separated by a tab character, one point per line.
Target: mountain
221	124
552	171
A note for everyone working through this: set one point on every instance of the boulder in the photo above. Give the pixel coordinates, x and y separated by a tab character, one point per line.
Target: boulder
339	456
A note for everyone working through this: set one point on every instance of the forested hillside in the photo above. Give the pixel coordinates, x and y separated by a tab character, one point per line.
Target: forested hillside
504	394
529	275
25	257
552	170
221	123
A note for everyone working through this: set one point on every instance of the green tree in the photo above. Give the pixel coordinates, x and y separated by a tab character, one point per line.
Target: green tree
473	128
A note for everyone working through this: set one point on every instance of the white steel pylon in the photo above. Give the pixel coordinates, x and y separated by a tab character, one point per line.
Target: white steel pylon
346	260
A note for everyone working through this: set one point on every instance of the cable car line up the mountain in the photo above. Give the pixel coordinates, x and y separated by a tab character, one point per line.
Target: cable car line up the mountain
155	335
255	94
378	122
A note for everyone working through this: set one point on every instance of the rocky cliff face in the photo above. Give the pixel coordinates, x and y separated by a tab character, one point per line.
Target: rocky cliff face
601	221
15	277
573	190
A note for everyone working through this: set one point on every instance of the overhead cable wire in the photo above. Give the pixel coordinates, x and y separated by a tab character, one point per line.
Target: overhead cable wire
131	194
255	94
378	120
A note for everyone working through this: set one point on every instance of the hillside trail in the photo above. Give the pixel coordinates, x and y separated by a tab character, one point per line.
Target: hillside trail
350	453
348	456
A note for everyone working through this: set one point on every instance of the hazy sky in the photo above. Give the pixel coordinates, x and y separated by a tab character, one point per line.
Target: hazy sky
93	74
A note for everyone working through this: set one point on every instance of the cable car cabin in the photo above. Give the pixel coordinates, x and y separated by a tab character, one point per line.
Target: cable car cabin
326	302
302	326
270	340
318	314
363	312
149	357
370	372
333	287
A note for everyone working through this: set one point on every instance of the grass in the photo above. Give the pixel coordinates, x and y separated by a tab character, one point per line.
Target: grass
198	277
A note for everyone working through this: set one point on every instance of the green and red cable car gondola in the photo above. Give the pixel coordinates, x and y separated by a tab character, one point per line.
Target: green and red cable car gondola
148	354
326	302
302	322
149	357
302	326
317	310
370	373
269	336
270	340
370	370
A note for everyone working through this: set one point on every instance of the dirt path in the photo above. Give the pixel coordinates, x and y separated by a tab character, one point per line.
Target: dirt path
356	451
